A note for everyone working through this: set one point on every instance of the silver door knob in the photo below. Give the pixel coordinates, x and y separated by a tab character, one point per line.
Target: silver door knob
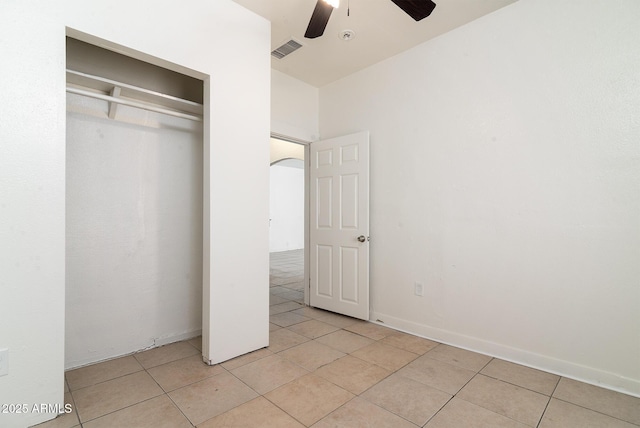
362	238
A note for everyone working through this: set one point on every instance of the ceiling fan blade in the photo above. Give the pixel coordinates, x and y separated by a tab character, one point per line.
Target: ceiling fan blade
417	9
319	20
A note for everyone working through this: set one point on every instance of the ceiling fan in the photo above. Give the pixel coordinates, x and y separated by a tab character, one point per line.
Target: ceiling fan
417	9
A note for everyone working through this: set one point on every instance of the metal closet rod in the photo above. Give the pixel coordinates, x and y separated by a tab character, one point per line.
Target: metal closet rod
133	103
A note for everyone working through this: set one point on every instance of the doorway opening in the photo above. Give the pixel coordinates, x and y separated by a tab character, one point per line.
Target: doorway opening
336	204
287	226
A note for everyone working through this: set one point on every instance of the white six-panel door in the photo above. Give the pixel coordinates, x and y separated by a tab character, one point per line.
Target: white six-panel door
339	225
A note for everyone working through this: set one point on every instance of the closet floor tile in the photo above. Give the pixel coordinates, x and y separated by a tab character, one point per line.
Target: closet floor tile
106	397
101	372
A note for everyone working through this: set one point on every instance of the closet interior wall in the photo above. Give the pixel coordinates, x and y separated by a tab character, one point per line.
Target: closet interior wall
133	214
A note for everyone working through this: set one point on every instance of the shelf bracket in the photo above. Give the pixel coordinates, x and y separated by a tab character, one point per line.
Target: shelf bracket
113	107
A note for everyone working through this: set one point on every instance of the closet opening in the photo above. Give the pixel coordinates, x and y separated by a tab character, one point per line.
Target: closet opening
134	205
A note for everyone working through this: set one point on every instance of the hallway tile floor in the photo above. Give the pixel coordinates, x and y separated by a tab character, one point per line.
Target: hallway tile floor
326	370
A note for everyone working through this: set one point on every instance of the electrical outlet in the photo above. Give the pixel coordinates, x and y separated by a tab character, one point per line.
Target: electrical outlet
419	289
4	362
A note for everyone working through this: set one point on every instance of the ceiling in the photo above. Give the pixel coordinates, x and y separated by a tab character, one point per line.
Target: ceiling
381	31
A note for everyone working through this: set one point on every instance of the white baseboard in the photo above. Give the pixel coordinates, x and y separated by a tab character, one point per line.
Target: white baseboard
545	363
156	342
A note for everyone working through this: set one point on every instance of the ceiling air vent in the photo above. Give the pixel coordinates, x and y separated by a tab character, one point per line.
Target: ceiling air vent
287	48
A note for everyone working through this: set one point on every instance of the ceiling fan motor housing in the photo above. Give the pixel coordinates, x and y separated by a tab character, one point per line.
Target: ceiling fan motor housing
417	9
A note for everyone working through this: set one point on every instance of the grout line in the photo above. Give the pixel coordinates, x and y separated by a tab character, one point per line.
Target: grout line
179	409
546	406
73	402
122	408
107	380
549	401
440	409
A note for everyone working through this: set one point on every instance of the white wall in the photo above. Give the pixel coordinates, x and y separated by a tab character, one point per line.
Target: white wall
294	107
133	230
32	171
286	207
504	176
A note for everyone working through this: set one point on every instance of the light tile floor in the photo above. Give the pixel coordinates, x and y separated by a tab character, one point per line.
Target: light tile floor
326	370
